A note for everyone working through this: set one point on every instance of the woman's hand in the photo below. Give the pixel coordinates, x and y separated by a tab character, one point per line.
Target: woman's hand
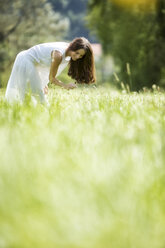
70	86
63	85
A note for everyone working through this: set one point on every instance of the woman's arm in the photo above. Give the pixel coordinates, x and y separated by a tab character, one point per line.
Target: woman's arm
56	60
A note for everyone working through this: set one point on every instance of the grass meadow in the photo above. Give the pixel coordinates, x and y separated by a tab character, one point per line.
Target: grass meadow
86	172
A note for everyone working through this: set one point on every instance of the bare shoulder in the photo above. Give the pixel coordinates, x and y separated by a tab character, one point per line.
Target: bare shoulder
56	56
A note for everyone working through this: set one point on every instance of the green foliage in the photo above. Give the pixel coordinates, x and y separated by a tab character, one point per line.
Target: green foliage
24	24
86	172
132	37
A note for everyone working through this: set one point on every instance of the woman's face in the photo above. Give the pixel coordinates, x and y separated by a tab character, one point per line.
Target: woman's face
78	54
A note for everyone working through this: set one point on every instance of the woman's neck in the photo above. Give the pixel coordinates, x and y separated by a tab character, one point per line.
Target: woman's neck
67	53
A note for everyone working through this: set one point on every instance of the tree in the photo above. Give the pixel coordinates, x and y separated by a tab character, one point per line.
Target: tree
25	23
132	36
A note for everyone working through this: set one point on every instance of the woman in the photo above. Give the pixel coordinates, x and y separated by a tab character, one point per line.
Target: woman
56	55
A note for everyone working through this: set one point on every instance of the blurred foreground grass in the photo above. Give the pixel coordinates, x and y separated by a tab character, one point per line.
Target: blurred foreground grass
87	172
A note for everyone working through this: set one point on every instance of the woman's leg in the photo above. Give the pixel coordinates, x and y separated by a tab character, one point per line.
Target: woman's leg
36	84
23	71
17	83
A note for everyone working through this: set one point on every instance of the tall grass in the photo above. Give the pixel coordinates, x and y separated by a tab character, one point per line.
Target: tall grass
86	172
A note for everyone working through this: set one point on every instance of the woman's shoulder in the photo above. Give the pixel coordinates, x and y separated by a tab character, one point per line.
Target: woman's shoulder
60	48
56	56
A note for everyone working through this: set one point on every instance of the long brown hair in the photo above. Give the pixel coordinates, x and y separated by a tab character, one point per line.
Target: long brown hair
83	69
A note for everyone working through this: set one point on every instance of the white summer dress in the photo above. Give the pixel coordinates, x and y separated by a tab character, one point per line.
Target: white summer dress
31	68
